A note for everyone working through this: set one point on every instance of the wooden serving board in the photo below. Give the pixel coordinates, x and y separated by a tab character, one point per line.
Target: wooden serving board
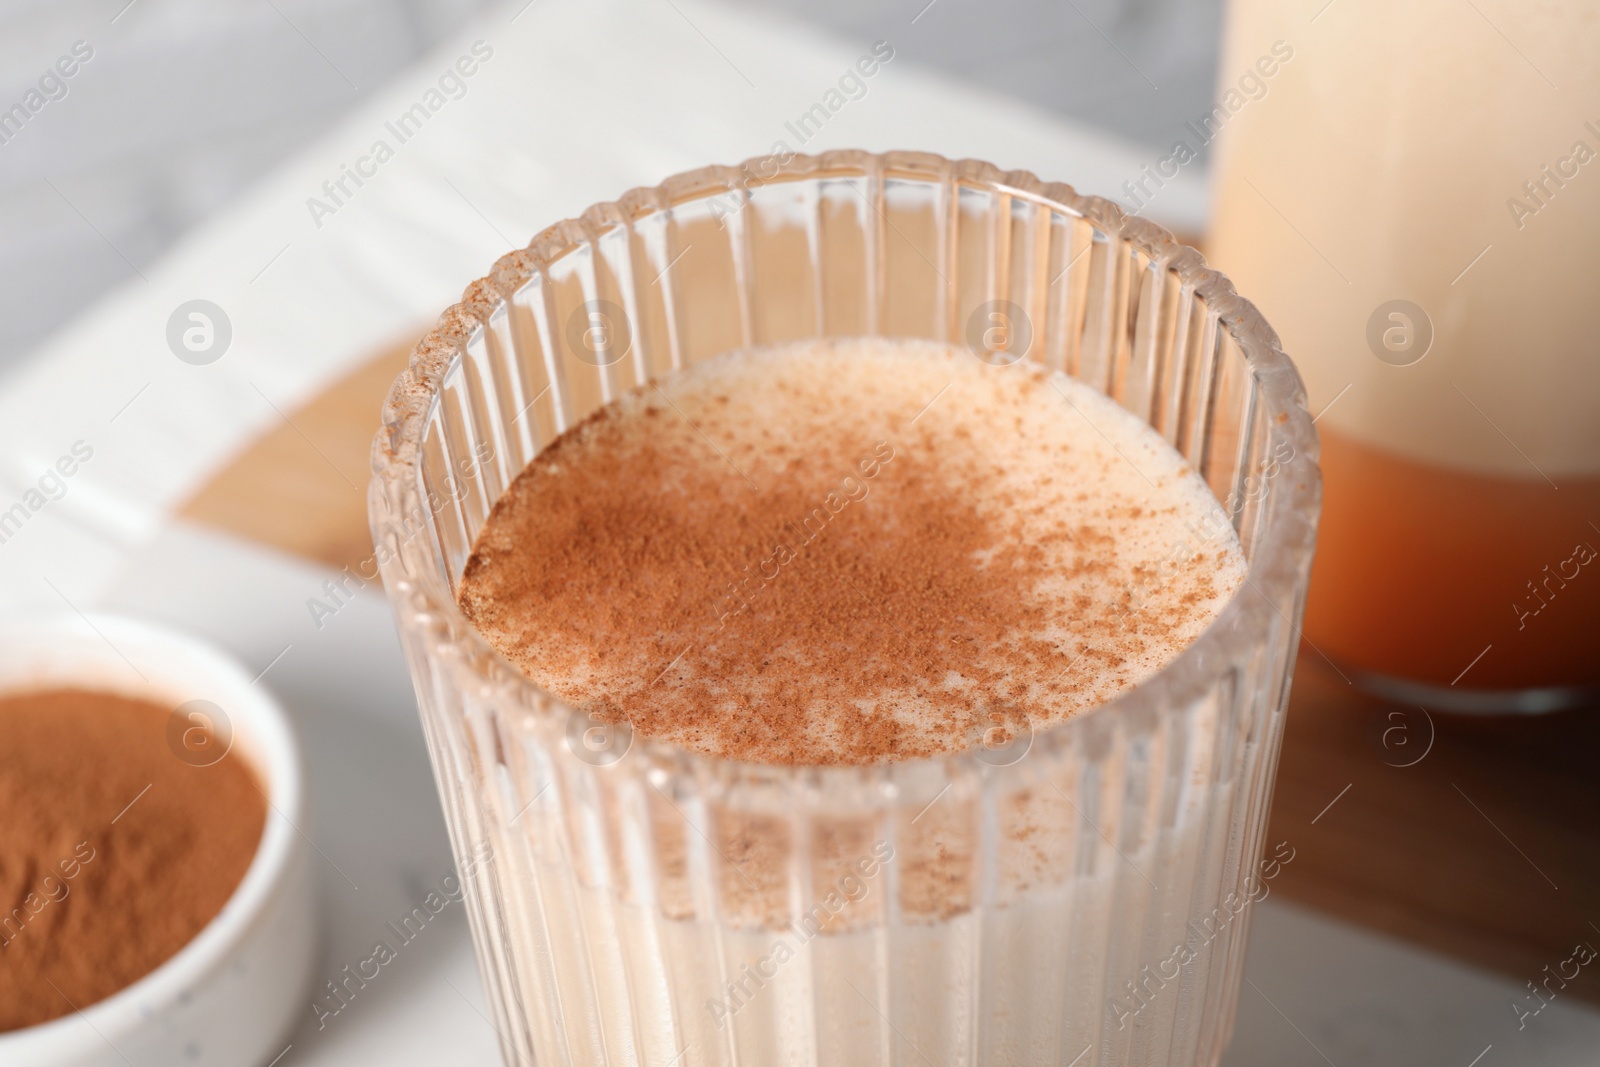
1475	837
302	486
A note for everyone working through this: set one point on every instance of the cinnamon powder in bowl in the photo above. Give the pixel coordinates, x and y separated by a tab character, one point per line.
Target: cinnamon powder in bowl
116	848
157	897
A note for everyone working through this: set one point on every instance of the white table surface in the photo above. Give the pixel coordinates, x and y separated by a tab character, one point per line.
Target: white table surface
579	102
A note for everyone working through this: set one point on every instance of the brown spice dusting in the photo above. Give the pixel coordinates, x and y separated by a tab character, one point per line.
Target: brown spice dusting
789	575
88	905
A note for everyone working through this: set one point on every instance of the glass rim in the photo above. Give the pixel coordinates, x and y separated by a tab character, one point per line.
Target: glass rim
1283	547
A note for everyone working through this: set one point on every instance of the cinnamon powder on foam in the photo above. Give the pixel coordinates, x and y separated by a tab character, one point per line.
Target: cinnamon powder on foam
849	551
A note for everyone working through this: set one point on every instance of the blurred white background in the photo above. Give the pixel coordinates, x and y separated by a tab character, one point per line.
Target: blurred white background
185	103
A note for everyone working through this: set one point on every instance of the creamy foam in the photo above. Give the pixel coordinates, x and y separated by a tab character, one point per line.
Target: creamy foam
850	551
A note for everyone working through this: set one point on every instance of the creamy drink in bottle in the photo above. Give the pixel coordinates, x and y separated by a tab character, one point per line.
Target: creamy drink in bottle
1414	204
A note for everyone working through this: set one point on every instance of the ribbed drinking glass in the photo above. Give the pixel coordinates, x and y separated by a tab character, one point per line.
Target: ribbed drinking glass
1080	896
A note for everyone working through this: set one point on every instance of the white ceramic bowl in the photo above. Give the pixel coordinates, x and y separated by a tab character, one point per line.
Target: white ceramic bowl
231	996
